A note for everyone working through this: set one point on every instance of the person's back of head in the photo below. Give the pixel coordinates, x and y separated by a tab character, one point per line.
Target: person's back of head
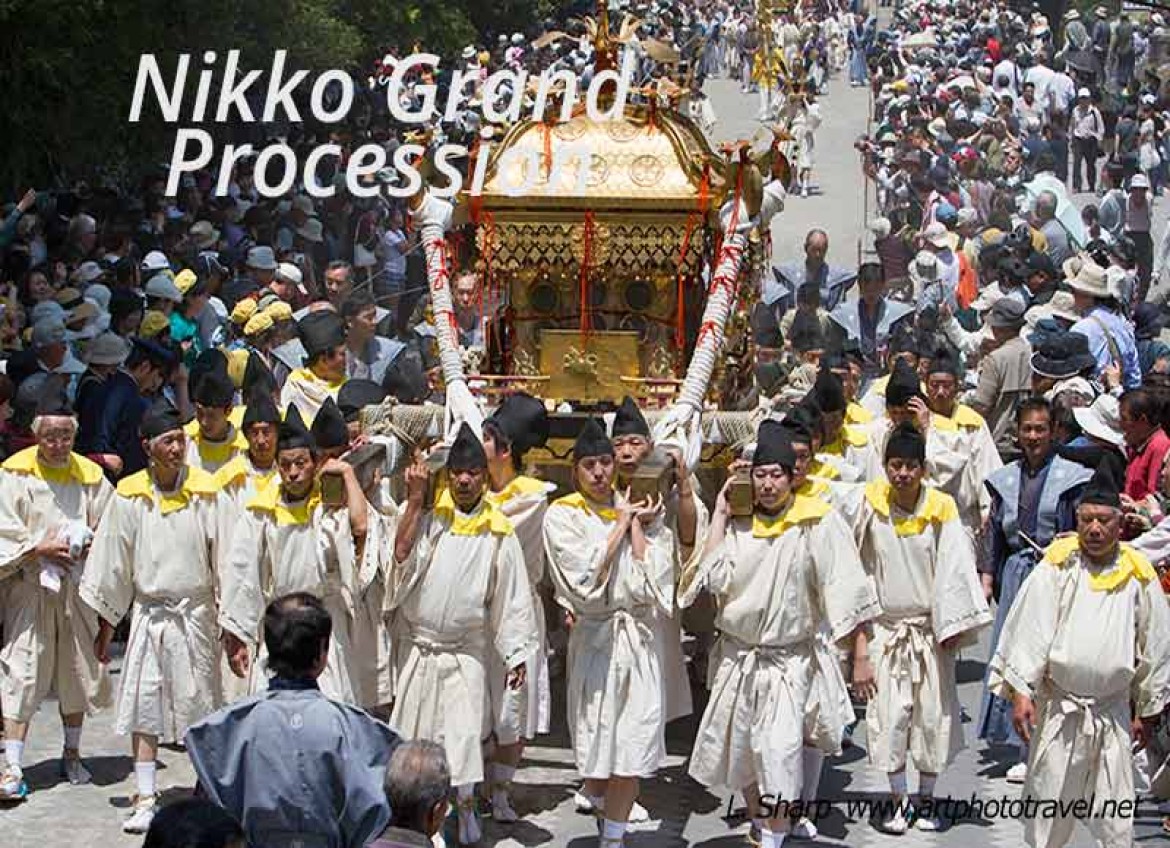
418	781
193	823
297	628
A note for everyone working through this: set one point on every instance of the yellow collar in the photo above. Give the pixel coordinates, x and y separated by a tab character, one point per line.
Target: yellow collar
855	413
813	488
579	501
850	436
241	468
802	510
78	470
269	499
216	453
965	418
196	481
934	507
1130	563
484	519
306	375
823	470
519	487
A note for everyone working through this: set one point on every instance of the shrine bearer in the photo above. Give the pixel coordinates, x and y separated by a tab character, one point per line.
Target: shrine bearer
212	440
613	565
519	425
288	541
1084	657
459	586
829	709
254	468
968	433
685	515
905	403
155	552
777	575
922	564
50	502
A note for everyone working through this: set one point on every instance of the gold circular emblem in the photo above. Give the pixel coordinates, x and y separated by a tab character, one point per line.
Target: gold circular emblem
646	170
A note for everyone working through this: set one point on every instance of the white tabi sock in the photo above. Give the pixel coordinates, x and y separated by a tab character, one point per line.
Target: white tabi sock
73	738
14	751
613	831
770	839
598	802
145	774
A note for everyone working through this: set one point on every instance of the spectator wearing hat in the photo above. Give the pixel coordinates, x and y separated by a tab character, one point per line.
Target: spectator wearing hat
1060	362
48	352
1138	212
112	415
184	319
104	356
259	273
1111	339
1005	375
156	326
162	295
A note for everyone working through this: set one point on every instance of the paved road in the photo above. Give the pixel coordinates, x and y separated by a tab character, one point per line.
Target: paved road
60	816
837	203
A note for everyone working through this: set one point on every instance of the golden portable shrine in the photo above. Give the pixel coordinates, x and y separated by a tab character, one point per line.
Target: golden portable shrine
636	278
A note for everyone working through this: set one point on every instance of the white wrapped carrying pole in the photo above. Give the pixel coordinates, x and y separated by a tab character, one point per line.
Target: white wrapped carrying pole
433	217
681	426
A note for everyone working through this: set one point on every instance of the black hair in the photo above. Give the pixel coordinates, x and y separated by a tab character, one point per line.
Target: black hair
1142	403
356	302
502	441
1033	404
192	823
297	628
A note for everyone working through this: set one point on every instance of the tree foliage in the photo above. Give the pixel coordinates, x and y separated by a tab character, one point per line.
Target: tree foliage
68	68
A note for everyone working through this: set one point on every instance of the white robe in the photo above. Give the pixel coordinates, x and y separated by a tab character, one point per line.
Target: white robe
616	687
307	392
1083	652
776	582
923	568
239	481
463	585
525	712
947	461
968	435
158	553
48	632
278	548
212	456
